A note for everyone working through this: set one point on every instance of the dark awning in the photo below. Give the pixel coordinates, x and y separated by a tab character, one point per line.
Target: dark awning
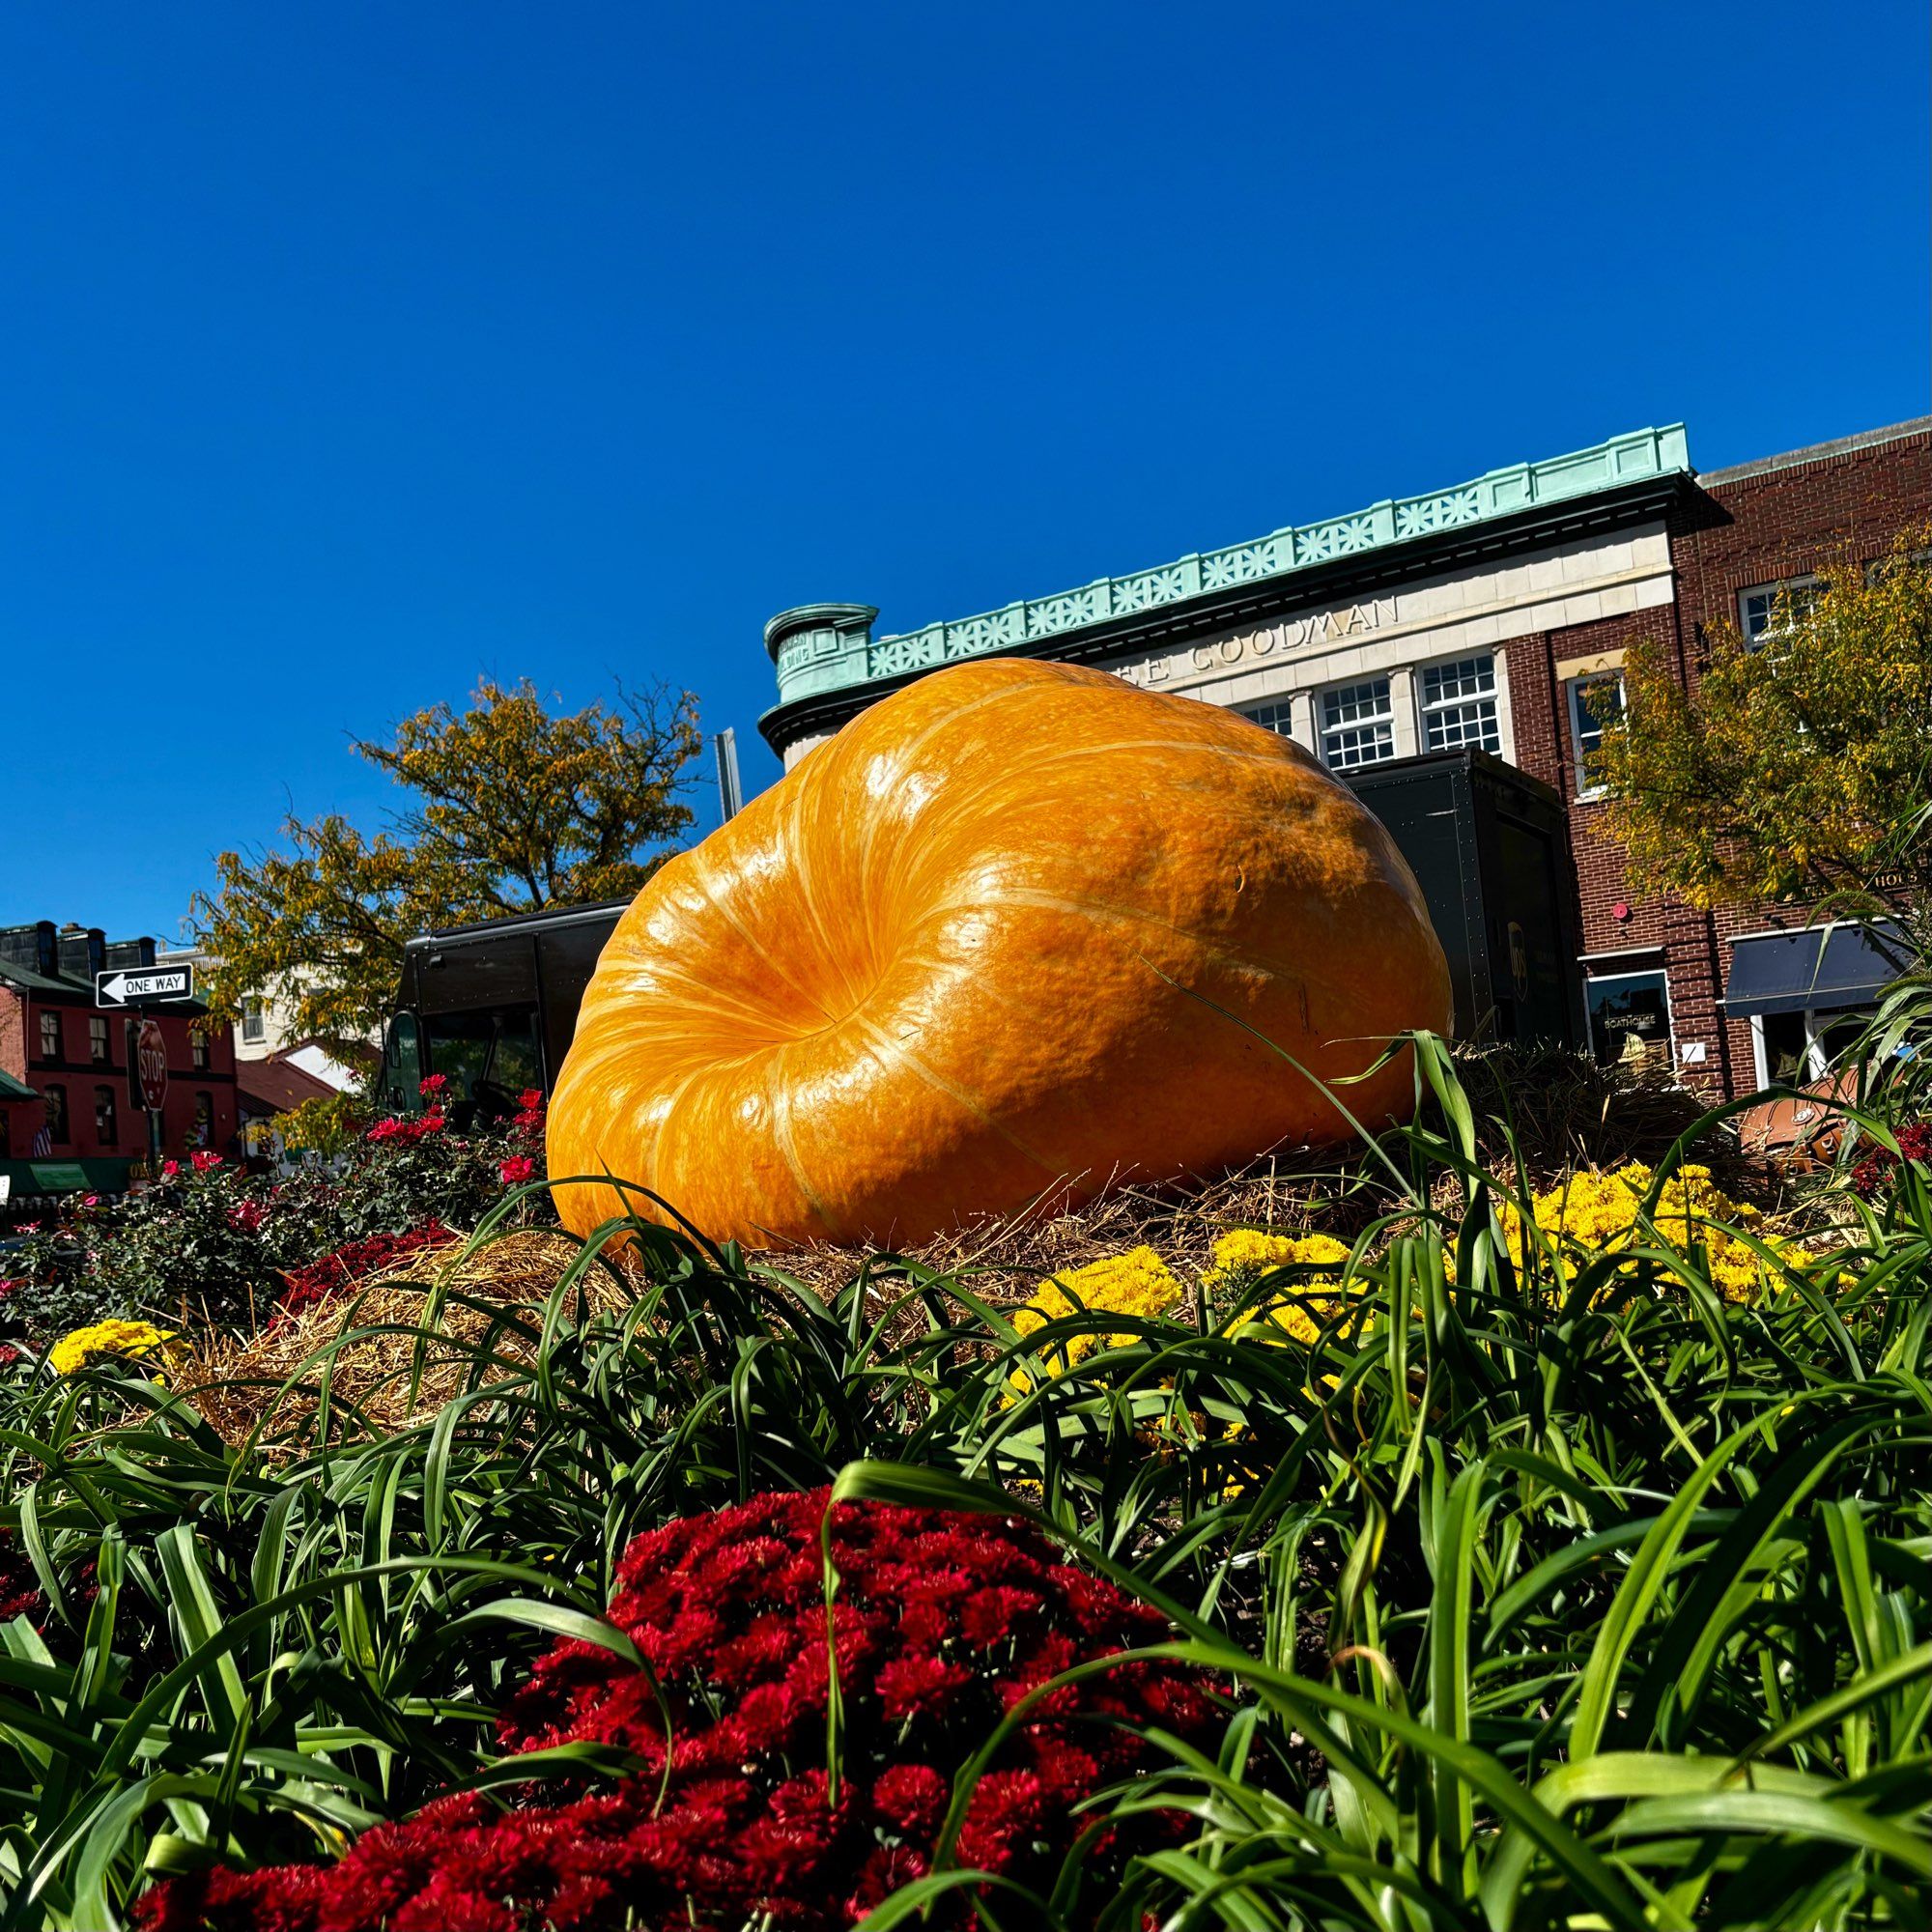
1788	971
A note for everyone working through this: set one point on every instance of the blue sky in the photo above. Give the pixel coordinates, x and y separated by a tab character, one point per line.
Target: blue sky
354	350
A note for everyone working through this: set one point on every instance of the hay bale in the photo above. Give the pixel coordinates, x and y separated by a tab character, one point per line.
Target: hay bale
267	1385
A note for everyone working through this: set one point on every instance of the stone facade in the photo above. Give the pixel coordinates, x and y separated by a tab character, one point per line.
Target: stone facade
1430	638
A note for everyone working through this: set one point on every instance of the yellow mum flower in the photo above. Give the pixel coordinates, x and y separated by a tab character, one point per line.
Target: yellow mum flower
1246	1253
1594	1214
1137	1283
108	1338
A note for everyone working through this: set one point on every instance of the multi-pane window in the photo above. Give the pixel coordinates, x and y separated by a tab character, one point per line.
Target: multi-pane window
97	1041
55	1099
1766	609
197	1046
1357	724
1594	702
51	1038
1459	706
104	1129
254	1021
1276	718
202	1134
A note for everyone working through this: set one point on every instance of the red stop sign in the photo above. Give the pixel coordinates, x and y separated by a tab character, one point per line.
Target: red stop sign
151	1063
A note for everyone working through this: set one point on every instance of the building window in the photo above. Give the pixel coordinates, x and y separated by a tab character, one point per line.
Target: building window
55	1098
254	1022
1630	1017
97	1049
1459	706
1769	610
197	1046
5	1132
51	1038
203	1134
104	1129
1276	718
1594	702
1795	1048
1357	724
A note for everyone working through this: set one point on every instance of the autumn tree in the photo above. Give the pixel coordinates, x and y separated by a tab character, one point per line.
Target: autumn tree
508	807
1798	768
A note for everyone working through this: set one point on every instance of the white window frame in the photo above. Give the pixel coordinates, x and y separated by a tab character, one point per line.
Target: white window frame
1585	790
254	1021
1771	591
1425	710
1272	714
1644	972
1384	717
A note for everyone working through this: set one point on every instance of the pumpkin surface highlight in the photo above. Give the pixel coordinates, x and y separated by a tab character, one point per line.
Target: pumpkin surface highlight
968	955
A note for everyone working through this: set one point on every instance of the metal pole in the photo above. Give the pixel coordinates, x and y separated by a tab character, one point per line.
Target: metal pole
731	797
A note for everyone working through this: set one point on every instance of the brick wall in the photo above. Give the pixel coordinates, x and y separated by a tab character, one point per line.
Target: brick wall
1739	531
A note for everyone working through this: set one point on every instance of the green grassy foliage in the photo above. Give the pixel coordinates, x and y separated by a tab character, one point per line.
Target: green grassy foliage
1534	1607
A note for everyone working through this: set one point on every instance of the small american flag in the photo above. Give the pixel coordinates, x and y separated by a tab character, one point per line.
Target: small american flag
43	1144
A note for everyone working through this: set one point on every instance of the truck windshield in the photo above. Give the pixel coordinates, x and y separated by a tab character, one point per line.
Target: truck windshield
489	1059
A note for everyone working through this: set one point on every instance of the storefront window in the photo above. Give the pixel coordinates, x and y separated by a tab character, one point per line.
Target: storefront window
1629	1017
1794	1048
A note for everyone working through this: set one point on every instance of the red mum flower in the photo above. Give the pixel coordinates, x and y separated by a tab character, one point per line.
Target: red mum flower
911	1798
724	1830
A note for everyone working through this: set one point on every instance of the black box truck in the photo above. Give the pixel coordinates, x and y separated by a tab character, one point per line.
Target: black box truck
1489	846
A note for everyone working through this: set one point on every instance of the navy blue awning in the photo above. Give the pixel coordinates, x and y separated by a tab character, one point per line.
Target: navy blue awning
1789	972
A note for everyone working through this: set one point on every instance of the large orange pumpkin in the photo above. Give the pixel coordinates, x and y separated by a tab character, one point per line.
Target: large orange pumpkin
980	949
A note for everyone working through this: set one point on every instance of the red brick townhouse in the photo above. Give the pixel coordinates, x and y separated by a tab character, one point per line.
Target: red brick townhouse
71	1116
1478	617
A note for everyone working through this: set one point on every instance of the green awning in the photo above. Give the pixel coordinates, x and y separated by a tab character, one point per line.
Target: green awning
15	1090
42	1181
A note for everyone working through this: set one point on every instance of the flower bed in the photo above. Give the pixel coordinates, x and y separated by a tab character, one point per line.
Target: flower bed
942	1623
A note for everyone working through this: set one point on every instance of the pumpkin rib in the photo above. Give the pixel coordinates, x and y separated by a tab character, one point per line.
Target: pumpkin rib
906	753
763	952
787	1146
970	1106
1017	933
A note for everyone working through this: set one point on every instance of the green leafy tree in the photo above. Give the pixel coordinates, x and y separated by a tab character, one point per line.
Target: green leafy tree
511	808
1799	767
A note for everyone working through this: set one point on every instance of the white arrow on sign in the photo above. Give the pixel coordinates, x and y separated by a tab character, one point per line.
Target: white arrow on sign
120	989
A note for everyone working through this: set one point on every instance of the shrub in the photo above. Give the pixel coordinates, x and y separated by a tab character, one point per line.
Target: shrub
213	1245
942	1622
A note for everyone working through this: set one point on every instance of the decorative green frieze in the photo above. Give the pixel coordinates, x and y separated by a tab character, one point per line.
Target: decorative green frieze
821	647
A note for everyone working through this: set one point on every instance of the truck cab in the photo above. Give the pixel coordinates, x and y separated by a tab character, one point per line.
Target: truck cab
492	1008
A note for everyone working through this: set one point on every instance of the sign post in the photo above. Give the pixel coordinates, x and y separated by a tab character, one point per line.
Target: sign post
151	1064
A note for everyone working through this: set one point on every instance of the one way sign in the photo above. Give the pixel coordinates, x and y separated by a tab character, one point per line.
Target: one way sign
144	986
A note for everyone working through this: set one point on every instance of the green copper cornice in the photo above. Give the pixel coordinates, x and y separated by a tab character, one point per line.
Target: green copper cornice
825	647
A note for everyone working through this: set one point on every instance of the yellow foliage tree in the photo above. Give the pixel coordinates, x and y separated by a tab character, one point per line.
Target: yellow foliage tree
1799	767
511	808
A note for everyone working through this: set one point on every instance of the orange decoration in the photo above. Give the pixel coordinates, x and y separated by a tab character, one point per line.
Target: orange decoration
949	966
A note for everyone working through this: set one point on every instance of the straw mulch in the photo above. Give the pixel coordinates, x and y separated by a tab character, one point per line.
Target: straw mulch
267	1385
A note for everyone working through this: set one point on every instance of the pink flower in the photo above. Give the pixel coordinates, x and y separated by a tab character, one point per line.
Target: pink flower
204	1161
433	1084
531	1099
169	1169
90	1201
519	1167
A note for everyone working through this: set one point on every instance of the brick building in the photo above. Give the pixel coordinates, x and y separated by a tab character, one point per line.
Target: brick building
71	1115
1482	615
